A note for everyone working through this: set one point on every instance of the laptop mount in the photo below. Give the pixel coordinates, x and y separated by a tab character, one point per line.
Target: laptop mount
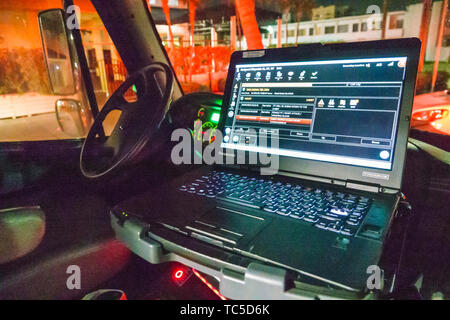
241	282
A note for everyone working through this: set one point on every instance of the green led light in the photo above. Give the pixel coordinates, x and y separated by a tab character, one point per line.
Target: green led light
215	117
134	88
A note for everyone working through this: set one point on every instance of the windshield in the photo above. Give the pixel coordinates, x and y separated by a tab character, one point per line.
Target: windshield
199	37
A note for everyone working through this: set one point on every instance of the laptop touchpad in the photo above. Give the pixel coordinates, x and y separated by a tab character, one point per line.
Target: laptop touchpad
226	224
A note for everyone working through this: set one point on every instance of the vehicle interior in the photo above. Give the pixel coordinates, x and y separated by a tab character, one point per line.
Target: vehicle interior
106	138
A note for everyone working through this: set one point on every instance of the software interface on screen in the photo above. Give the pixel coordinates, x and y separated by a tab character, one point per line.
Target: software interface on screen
340	111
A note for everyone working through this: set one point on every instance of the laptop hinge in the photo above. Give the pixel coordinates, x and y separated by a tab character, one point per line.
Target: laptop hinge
375	188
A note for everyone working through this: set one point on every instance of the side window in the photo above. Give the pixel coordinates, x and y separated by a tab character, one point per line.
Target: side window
105	65
29	108
29	111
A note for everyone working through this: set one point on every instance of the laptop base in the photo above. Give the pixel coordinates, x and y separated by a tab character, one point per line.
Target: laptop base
239	278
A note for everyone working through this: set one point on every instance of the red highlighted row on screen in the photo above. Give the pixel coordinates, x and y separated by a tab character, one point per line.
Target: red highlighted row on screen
274	119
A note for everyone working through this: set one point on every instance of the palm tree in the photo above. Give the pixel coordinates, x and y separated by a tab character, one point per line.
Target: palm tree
166	10
383	23
424	28
192	6
246	11
286	8
302	8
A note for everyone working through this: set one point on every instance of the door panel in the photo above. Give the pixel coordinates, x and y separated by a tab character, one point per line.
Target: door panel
39	161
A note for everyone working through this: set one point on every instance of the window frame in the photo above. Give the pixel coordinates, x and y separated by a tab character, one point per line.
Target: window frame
45	148
326	29
343	28
364	27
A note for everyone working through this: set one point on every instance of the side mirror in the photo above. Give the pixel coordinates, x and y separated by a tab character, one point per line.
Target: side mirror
57	53
73	119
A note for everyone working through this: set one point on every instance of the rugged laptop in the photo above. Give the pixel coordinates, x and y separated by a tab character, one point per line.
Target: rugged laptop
337	117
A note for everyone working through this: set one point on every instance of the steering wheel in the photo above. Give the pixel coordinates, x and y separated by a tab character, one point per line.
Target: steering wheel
138	123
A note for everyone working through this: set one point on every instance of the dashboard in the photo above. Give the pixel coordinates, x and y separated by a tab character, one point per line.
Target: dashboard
199	113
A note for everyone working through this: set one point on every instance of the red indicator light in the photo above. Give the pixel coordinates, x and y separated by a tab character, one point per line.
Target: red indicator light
179	274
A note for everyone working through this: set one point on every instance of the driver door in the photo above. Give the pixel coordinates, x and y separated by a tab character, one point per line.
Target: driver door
52	220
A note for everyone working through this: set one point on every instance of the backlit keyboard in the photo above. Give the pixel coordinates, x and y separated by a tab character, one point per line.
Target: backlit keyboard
329	210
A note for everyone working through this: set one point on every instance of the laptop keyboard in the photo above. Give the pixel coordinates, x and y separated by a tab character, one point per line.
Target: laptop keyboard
329	210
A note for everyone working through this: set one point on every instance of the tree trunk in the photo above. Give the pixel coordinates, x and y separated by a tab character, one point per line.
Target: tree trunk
286	17
299	16
279	24
439	44
424	27
192	7
239	28
166	10
233	27
246	10
384	21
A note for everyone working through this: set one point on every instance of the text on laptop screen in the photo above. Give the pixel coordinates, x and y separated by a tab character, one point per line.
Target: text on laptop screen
340	111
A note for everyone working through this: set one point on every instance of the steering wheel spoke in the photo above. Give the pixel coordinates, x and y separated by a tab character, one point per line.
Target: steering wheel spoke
138	122
119	103
149	75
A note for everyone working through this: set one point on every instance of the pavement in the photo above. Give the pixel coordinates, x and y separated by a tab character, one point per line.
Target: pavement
32	117
34	128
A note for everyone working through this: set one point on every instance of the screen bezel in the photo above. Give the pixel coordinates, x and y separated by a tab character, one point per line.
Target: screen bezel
409	48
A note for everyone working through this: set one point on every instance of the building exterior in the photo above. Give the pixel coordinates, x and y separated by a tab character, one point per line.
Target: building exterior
343	29
172	3
411	28
19	29
323	13
363	28
178	9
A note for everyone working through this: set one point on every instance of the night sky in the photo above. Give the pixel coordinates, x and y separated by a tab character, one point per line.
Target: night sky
360	6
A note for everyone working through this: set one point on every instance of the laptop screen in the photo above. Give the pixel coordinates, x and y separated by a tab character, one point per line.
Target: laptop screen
339	111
